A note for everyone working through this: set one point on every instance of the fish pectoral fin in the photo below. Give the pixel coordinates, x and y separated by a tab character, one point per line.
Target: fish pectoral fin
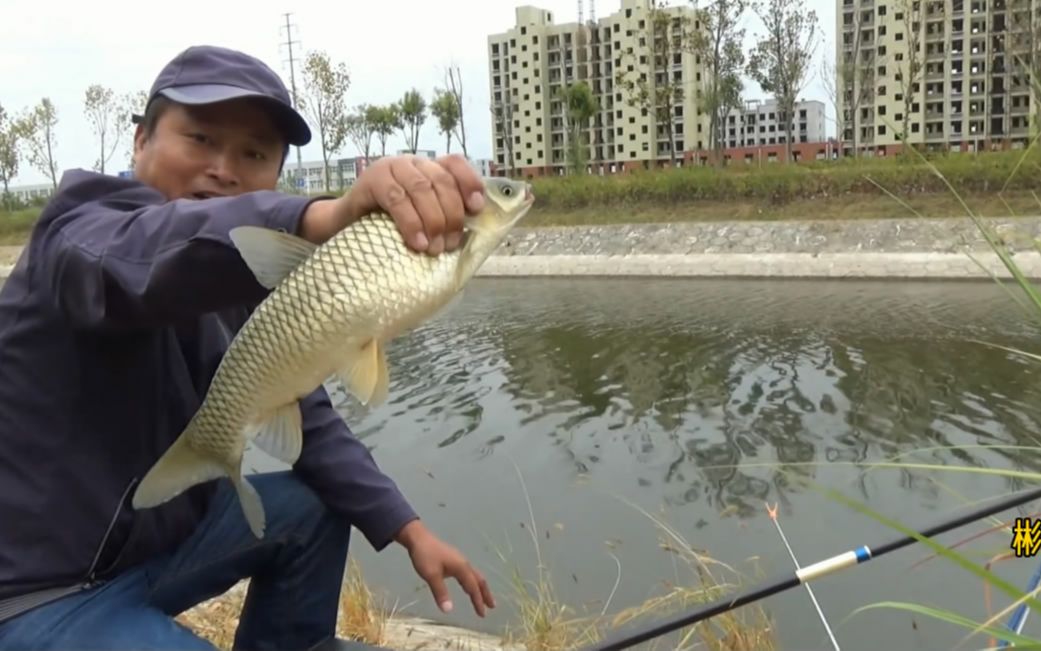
180	468
364	373
271	255
281	434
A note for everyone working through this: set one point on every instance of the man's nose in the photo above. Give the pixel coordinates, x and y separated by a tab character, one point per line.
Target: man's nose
223	168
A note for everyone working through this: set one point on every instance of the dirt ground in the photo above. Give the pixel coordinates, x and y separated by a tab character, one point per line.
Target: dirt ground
9	254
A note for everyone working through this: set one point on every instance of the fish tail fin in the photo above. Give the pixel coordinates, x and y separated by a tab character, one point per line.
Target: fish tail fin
182	467
178	469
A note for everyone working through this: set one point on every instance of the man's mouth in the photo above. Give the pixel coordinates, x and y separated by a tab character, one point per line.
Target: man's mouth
205	195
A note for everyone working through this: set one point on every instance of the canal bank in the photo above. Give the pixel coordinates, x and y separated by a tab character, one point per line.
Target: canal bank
887	248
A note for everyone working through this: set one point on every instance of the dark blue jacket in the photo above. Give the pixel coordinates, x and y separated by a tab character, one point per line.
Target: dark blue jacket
112	324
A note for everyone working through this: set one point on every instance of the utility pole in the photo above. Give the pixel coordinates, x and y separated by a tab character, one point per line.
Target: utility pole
299	177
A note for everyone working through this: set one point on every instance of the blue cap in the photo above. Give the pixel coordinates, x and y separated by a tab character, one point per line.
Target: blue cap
205	74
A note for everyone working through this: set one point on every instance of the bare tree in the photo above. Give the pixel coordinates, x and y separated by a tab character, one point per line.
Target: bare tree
1026	51
910	74
719	45
455	88
781	59
37	131
650	85
325	86
9	153
133	103
829	74
856	74
105	114
502	118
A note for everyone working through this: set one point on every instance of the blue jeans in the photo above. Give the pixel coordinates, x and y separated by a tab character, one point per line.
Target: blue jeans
296	573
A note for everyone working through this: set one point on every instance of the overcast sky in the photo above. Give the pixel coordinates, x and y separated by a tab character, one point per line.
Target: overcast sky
57	48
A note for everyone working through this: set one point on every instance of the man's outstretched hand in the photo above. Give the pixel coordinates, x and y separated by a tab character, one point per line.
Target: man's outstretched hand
434	561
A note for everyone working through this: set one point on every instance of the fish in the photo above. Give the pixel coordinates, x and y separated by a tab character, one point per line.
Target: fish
331	312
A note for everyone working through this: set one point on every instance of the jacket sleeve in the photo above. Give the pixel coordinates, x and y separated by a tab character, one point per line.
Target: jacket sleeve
340	469
119	264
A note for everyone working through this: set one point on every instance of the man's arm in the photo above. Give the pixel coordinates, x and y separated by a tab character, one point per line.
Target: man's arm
340	469
130	260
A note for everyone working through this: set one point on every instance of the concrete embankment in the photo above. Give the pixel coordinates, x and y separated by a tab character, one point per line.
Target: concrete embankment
889	248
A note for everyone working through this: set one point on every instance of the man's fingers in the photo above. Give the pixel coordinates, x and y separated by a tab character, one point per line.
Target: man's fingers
486	591
393	198
440	592
424	202
451	204
471	186
468	579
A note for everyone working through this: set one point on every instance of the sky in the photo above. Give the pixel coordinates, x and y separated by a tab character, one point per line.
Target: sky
57	48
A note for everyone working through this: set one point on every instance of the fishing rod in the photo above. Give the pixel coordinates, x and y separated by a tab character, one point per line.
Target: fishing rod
1019	617
773	516
624	640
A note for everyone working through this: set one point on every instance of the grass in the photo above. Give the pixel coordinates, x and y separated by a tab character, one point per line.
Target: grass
843	189
541	621
15	226
1030	301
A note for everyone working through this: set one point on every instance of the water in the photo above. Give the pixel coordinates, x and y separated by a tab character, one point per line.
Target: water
681	397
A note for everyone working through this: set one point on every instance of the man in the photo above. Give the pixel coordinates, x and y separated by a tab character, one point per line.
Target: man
111	326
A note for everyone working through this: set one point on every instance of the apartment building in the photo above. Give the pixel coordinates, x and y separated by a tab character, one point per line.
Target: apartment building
972	88
758	124
533	62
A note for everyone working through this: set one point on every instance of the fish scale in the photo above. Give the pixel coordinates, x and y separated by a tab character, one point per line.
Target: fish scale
331	311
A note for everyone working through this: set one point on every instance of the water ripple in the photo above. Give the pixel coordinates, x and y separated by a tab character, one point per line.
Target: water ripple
676	384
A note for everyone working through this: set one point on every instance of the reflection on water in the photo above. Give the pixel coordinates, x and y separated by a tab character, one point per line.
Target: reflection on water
683	393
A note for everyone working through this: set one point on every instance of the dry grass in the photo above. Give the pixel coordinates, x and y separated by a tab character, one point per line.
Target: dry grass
542	622
362	615
546	624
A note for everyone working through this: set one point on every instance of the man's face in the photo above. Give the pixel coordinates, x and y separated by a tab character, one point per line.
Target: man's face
196	152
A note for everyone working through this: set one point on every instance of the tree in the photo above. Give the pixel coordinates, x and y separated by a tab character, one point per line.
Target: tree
36	129
9	154
719	45
502	118
1026	53
446	112
649	84
911	72
384	120
781	59
580	106
855	77
360	129
106	114
412	112
324	104
829	74
455	89
132	103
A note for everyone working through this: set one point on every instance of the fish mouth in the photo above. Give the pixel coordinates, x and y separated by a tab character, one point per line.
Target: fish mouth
529	194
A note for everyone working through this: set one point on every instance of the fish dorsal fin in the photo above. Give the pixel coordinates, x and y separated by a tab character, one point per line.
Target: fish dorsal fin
271	255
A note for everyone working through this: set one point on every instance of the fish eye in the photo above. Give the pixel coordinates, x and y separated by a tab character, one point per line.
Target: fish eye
507	190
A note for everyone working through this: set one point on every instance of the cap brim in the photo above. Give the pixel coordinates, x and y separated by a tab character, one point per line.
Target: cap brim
289	120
